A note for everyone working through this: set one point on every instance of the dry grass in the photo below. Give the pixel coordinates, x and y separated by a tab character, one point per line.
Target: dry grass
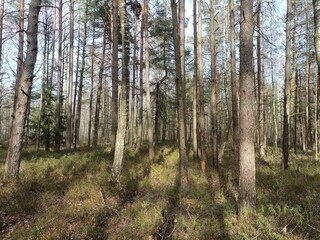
71	196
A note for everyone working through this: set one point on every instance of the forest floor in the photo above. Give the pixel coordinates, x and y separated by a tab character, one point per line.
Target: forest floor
70	195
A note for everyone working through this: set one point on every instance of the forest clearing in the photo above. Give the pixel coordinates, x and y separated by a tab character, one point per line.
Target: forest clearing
70	195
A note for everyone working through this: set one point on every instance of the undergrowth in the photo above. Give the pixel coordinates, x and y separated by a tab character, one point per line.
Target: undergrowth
70	195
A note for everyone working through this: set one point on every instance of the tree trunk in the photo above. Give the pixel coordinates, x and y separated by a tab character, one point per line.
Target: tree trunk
260	86
12	164
58	101
234	84
1	58
316	10
148	98
20	49
203	160
91	85
114	73
140	125
214	88
184	180
247	188
286	104
83	63
194	83
38	140
122	123
69	111
99	90
133	87
307	86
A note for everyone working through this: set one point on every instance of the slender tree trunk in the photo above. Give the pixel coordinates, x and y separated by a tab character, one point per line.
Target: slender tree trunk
1	58
69	111
140	125
194	83
20	49
122	123
260	86
58	102
133	91
148	98
38	140
214	88
114	73
286	108
76	87
53	45
184	180
316	10
91	85
247	188
307	87
12	164
83	63
99	91
203	160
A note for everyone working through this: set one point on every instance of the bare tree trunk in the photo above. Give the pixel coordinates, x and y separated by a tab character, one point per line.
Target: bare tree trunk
20	49
286	108
194	83
316	10
140	125
148	98
53	45
69	111
214	88
114	73
91	85
38	140
184	180
133	87
122	123
307	87
203	160
1	40
12	164
260	86
76	86
58	102
99	90
247	188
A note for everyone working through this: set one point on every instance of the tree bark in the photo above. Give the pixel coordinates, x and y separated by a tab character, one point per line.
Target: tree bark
148	98
316	10
58	101
140	124
114	73
194	83
183	156
99	90
203	160
83	63
91	84
122	123
234	84
69	111
286	107
247	188
12	164
214	88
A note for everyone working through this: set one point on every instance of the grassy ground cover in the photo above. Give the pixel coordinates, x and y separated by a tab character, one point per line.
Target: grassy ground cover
71	196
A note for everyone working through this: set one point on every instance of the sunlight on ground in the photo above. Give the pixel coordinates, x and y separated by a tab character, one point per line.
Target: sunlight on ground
70	196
